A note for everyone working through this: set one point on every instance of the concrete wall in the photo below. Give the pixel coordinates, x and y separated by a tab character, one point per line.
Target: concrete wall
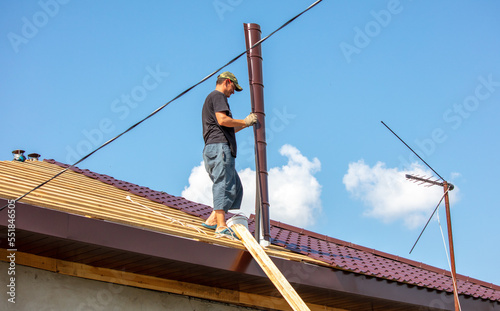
40	290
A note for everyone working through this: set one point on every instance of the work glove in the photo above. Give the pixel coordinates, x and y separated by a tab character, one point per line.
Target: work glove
251	119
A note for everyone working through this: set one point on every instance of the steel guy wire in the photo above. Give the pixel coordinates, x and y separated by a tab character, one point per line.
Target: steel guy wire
412	150
435	209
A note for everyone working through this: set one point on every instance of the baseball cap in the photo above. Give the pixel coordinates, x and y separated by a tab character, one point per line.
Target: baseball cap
230	76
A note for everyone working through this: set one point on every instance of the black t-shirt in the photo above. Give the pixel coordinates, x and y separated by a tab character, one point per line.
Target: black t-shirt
213	132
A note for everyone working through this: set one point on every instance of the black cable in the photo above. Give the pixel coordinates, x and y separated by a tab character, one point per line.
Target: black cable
450	186
163	106
420	235
412	150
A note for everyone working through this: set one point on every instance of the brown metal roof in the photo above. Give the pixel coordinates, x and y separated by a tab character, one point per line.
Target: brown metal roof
85	217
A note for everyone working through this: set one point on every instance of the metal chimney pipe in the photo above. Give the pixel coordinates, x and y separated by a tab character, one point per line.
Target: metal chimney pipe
254	60
33	157
19	155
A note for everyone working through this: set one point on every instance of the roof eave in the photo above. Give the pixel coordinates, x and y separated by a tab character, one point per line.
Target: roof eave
148	243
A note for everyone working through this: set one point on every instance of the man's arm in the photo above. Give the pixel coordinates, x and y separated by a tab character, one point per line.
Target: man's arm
239	128
227	121
238	125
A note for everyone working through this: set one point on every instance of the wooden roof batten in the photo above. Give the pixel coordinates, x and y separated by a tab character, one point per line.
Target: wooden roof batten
83	201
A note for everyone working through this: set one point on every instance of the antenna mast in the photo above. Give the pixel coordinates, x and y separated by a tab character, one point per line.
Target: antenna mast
447	187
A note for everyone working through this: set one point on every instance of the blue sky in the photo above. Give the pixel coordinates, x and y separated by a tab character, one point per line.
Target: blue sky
77	74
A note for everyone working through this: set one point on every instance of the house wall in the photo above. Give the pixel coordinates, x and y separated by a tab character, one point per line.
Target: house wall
48	291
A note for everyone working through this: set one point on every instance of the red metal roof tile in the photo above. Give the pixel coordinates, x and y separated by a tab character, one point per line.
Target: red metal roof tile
341	254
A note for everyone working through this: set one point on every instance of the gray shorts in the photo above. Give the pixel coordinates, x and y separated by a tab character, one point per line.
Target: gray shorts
220	165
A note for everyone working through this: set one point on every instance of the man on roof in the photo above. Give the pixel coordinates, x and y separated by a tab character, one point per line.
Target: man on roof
219	154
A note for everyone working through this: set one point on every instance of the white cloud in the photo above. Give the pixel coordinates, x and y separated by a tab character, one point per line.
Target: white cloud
389	196
294	192
200	186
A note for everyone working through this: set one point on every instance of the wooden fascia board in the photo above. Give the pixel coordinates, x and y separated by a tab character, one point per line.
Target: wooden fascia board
137	240
154	283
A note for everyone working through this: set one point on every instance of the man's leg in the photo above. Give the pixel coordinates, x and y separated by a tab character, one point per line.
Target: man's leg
211	158
211	220
220	215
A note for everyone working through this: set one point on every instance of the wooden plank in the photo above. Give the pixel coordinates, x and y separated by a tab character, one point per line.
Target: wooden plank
100	195
270	269
78	194
153	283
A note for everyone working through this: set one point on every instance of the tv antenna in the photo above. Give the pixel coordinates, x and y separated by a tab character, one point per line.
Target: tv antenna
447	187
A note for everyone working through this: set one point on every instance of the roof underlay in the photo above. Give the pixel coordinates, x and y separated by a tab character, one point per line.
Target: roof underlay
94	220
